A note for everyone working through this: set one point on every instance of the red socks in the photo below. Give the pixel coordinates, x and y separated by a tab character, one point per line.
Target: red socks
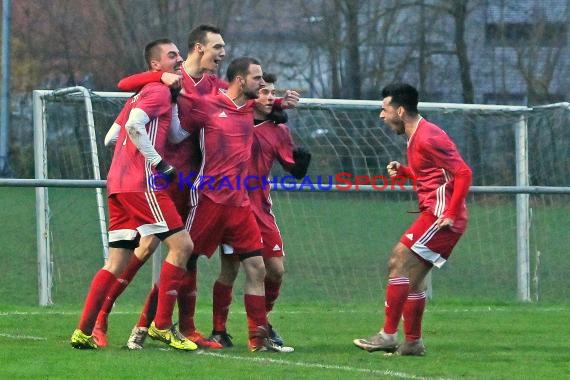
271	294
396	295
149	308
187	303
413	313
100	285
170	279
222	299
255	310
119	287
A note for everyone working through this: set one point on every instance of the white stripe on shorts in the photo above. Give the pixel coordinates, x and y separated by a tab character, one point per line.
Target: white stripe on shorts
152	229
424	252
125	234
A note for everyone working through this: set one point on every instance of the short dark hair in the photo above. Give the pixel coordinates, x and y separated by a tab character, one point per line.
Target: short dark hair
269	77
198	34
240	66
152	50
403	94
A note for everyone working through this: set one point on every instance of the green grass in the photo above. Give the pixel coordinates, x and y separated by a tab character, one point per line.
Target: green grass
463	340
337	247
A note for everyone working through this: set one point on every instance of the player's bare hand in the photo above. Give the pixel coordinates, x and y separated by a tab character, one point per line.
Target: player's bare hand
444	222
171	80
291	99
392	168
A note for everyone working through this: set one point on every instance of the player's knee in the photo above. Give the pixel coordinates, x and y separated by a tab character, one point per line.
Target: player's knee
255	269
274	273
227	279
116	266
399	260
394	263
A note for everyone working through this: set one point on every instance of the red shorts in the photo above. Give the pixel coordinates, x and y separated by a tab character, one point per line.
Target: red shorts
272	241
211	224
180	197
432	244
144	213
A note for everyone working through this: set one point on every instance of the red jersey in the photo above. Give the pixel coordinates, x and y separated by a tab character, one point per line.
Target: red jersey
184	156
271	142
129	170
226	135
434	163
207	84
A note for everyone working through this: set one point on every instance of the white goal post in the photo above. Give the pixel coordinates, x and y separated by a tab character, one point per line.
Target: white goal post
42	181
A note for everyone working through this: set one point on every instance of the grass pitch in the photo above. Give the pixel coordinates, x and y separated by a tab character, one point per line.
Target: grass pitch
463	341
337	246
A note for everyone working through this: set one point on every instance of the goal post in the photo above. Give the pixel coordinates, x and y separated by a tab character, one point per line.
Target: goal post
41	172
345	136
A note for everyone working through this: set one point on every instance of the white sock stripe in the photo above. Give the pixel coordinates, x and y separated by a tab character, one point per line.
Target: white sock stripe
399	281
417	296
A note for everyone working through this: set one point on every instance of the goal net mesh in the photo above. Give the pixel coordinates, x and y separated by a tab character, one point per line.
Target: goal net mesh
337	243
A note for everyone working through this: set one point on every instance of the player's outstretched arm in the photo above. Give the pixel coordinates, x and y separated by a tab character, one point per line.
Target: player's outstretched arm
137	81
290	100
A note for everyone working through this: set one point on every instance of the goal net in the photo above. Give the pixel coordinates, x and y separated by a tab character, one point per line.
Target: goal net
338	240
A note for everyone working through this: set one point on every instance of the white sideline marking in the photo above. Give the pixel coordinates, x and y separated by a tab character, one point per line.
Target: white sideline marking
22	337
384	373
479	309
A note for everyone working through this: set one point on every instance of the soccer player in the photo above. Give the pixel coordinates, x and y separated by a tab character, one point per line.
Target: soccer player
206	48
205	52
443	181
224	215
271	142
137	209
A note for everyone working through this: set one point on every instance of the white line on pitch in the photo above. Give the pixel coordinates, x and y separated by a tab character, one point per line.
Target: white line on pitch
11	336
481	309
265	360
